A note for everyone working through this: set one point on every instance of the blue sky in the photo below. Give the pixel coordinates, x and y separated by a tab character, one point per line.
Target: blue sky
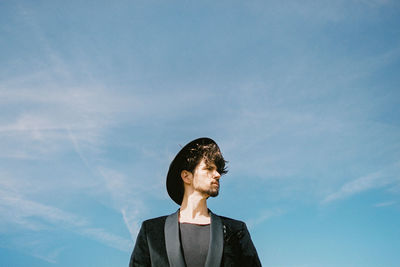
302	96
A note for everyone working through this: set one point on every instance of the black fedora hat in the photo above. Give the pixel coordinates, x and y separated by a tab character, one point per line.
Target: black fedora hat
174	181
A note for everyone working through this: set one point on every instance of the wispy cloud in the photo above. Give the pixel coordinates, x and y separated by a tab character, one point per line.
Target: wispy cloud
107	238
34	244
44	128
126	197
384	204
22	211
356	186
18	212
264	216
379	179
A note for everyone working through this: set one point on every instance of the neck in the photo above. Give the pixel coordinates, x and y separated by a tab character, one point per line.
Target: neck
194	209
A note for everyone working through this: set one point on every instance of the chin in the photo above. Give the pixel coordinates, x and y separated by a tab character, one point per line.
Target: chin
213	193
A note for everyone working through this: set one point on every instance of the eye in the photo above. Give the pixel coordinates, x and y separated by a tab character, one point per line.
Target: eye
211	168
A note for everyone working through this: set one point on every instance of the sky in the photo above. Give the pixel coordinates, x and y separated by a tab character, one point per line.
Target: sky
302	97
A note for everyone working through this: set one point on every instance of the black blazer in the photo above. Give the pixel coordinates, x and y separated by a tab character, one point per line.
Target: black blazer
158	244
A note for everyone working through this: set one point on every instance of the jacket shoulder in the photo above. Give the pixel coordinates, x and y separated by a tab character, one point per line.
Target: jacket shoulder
232	223
154	221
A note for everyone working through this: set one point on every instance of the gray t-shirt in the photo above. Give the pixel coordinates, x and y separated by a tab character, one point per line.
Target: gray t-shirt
195	239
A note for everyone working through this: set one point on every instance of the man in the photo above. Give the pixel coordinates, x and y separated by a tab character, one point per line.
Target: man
194	236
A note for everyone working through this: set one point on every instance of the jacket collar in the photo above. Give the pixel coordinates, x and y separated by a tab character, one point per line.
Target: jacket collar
173	244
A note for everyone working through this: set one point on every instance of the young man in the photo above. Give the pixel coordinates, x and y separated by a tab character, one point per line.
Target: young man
194	236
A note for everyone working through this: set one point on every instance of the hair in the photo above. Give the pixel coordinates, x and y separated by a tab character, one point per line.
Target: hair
209	152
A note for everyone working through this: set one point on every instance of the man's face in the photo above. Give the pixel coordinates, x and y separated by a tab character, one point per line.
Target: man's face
206	179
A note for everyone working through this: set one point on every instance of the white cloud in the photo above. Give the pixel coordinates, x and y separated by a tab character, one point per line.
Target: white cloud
356	186
384	204
32	244
107	238
126	197
264	215
371	181
18	212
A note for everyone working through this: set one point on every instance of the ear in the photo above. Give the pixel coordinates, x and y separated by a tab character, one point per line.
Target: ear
186	176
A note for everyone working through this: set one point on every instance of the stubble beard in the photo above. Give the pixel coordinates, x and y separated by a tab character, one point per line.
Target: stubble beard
212	192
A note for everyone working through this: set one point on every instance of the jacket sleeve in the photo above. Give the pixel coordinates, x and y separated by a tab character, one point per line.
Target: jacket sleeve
249	256
140	256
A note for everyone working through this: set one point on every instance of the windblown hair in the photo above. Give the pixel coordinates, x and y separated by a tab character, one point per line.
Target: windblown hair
209	152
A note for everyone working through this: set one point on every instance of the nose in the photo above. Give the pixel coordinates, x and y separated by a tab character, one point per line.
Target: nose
217	175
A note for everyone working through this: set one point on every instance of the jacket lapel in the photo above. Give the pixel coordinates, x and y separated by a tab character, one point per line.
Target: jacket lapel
215	249
172	241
